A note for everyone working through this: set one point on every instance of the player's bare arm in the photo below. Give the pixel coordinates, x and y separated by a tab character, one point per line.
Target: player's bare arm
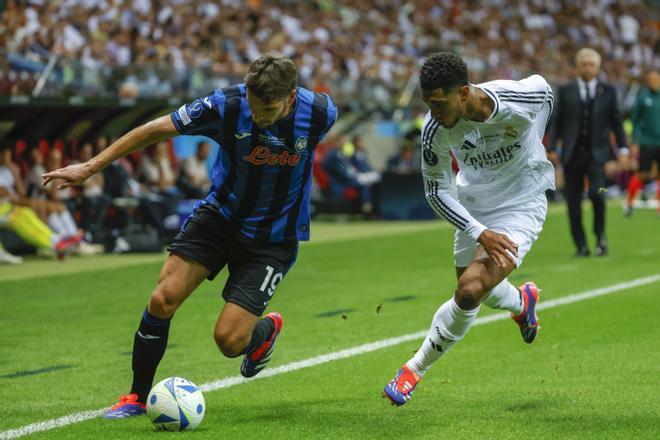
157	130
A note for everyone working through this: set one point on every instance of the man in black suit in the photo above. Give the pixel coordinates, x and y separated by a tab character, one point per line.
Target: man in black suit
585	113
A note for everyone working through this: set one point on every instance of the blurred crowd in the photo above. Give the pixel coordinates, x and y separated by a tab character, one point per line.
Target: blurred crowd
161	48
165	47
363	52
508	39
135	204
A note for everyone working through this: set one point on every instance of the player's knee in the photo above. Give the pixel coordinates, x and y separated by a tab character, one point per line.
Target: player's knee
230	344
469	292
162	302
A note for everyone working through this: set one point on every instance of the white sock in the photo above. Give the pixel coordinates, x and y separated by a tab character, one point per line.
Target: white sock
449	325
69	223
55	223
505	296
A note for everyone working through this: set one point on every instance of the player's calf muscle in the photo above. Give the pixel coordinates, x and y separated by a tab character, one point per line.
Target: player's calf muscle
231	344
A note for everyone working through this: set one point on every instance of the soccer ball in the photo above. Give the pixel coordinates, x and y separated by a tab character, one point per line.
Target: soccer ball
175	404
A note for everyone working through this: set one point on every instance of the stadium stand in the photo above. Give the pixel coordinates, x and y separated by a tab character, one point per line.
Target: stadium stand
131	61
157	49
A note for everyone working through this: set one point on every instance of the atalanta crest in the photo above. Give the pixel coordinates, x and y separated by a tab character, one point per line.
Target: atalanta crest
301	144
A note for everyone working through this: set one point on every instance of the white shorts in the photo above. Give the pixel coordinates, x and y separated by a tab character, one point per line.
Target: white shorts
521	224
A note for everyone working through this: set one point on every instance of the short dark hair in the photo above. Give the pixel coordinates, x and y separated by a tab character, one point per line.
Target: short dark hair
444	70
271	77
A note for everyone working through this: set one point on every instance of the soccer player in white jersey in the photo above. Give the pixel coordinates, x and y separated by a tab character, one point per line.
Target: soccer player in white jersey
494	130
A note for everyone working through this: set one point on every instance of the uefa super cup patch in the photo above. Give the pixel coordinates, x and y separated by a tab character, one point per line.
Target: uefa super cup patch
195	109
429	156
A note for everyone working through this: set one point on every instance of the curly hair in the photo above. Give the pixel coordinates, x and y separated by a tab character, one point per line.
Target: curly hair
271	77
444	70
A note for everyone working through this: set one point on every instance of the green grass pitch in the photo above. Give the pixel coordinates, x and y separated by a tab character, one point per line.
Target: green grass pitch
66	331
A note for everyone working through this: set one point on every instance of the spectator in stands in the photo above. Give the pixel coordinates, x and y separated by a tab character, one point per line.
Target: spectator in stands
16	213
31	229
403	162
68	196
72	200
130	199
94	202
13	190
345	177
359	157
194	180
156	170
366	175
645	116
33	177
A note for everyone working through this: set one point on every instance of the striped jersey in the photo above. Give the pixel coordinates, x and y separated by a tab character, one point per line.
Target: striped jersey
501	161
261	179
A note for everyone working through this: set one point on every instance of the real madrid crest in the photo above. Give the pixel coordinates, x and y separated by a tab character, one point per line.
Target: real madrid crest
301	144
510	132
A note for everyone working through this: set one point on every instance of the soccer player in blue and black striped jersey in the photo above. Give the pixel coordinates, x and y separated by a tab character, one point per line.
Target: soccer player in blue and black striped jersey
252	219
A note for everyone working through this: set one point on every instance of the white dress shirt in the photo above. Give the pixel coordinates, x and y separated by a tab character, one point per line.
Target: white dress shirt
583	88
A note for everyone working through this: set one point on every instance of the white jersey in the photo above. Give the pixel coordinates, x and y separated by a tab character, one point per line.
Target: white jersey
501	161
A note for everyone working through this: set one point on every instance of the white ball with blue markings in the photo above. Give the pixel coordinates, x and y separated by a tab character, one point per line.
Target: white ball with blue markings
176	404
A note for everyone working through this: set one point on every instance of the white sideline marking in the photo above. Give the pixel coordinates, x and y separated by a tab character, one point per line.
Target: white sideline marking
329	357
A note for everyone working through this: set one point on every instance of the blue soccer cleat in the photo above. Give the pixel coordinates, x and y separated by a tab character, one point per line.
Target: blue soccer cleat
128	406
256	361
528	321
400	389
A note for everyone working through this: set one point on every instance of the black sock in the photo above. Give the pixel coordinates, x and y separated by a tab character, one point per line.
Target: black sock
148	349
262	331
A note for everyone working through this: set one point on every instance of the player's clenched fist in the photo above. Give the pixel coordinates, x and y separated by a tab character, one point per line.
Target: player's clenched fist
497	245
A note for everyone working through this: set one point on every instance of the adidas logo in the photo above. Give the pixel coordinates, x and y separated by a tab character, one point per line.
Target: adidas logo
435	346
442	337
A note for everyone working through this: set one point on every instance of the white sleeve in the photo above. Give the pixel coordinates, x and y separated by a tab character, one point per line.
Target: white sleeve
438	177
536	93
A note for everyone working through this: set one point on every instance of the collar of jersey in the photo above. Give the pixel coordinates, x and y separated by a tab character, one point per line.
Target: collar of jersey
496	102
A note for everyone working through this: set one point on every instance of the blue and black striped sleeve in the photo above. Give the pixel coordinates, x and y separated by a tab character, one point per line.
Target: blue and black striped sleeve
203	116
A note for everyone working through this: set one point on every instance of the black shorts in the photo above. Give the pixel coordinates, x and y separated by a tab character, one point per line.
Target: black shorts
648	155
255	268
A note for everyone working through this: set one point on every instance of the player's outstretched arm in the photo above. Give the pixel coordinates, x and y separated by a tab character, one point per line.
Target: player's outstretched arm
154	131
